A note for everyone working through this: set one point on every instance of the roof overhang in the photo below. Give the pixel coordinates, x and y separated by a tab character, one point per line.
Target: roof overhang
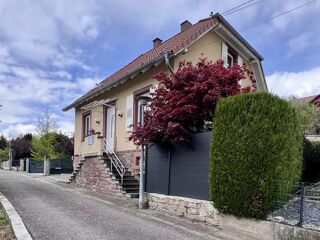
245	50
223	29
109	85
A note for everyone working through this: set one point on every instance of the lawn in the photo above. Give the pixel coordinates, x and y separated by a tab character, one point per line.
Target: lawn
5	228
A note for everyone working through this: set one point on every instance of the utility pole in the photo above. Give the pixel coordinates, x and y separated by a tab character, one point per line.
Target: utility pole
143	103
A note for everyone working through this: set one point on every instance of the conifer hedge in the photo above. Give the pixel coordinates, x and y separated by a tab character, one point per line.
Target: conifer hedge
257	140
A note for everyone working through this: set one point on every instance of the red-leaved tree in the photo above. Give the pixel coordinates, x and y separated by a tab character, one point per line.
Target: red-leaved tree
186	99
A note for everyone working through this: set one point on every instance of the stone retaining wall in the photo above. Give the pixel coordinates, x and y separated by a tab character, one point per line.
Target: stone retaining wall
192	209
95	176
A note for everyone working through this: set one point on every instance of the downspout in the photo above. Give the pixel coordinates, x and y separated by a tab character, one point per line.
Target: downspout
166	59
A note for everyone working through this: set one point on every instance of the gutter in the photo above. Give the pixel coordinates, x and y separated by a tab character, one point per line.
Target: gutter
166	59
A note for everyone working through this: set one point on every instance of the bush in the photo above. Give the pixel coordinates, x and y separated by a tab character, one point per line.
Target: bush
311	161
257	139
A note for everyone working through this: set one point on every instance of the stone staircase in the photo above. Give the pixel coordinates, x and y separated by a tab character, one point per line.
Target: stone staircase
129	185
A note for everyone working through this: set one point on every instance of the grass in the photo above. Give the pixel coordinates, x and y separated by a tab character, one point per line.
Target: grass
5	228
3	219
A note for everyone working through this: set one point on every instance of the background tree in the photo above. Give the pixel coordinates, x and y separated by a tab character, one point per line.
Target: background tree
4	154
186	99
43	144
3	142
309	116
22	146
63	145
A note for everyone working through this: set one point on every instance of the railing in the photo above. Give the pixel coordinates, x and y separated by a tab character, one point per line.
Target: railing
115	161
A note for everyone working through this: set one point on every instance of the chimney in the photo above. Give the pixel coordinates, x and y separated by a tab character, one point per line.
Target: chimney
185	25
156	42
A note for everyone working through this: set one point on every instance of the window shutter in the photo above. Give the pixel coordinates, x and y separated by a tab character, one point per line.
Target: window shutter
129	113
224	54
240	61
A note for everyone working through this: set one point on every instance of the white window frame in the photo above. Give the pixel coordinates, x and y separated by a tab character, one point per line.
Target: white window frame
229	55
87	124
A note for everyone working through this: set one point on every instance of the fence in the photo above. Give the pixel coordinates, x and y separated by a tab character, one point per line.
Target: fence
297	204
180	170
57	166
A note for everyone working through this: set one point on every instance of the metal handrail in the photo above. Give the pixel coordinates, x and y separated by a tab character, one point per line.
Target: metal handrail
115	161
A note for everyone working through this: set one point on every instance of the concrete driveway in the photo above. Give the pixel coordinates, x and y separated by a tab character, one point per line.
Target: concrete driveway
54	210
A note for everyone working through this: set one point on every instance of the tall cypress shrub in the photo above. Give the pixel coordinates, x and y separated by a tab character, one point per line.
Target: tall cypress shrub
257	140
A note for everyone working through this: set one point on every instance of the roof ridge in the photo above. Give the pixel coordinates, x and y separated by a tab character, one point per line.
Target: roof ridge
152	49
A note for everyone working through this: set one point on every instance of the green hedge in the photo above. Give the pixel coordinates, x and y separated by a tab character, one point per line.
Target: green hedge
311	161
256	140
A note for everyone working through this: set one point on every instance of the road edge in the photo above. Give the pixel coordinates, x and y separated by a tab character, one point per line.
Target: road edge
19	229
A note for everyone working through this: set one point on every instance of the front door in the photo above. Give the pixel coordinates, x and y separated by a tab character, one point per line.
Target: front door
111	123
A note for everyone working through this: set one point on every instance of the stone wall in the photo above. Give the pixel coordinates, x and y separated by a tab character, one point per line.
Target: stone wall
95	176
192	209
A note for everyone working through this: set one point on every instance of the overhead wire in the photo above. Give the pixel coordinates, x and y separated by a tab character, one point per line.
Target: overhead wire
239	8
278	15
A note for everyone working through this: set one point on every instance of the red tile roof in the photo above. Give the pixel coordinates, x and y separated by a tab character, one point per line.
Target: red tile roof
315	99
173	45
308	99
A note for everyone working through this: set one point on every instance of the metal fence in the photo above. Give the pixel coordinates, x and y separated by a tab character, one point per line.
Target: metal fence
57	166
297	204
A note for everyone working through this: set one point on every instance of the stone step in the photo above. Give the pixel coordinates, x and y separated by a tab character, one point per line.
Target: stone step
125	186
136	183
131	190
125	178
132	195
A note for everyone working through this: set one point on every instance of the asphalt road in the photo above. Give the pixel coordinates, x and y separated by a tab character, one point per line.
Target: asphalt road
52	211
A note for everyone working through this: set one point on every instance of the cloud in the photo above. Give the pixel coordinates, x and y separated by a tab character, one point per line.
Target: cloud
16	130
44	31
51	52
299	84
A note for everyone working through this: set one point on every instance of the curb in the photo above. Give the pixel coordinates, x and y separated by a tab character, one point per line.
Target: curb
19	229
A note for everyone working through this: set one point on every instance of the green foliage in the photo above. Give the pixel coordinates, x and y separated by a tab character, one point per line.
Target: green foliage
44	146
3	218
257	139
311	161
4	154
3	142
308	115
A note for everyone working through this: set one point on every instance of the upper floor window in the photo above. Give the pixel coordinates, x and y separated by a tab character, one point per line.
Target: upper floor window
232	57
86	123
229	55
230	60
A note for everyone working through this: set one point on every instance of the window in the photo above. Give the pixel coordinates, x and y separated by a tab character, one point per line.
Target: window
230	60
144	92
86	124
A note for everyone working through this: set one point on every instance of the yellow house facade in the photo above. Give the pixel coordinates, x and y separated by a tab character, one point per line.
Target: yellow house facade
105	114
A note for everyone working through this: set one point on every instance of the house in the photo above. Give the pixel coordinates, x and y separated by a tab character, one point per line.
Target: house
315	99
312	135
104	115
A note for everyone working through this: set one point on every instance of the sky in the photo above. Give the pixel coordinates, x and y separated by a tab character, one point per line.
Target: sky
52	52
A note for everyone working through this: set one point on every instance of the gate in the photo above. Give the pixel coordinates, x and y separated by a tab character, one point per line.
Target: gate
57	166
35	166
